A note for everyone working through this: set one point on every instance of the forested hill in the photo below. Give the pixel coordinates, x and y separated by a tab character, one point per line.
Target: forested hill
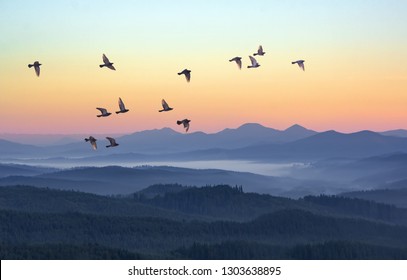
156	236
331	250
178	202
225	202
172	221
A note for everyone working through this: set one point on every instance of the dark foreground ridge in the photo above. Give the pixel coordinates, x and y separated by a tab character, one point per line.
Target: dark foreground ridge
195	223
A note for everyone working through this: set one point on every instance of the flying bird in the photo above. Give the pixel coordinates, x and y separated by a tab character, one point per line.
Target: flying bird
104	112
260	51
185	122
112	142
300	64
187	74
255	64
238	61
92	141
122	107
36	67
107	63
165	106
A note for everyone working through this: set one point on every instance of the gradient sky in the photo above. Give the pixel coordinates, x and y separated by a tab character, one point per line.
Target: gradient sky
355	56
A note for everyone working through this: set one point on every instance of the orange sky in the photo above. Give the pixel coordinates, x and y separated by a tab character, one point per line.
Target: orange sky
355	78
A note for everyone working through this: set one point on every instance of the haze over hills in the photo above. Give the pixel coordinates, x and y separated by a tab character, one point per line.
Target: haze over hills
40	139
120	180
377	172
23	170
8	148
328	176
327	162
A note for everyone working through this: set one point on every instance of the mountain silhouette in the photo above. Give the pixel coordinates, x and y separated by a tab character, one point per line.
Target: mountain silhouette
247	142
326	145
22	170
396	132
9	148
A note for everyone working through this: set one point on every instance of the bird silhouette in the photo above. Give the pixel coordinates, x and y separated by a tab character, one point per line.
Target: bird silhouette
185	122
104	112
254	62
36	65
187	74
260	51
300	64
92	141
165	106
122	107
238	61
107	63
112	142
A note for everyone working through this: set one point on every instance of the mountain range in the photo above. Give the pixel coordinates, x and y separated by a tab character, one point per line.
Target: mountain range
248	142
165	140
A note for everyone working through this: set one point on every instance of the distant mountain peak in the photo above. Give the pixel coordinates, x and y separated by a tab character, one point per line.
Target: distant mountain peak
249	129
251	126
166	130
365	132
296	127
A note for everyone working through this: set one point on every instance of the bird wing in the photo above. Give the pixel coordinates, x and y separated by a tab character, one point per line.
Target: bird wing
121	105
253	60
301	64
102	110
110	67
260	49
37	70
239	63
111	140
165	105
186	125
93	143
105	59
188	76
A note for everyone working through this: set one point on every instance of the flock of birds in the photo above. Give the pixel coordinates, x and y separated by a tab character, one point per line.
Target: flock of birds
166	107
